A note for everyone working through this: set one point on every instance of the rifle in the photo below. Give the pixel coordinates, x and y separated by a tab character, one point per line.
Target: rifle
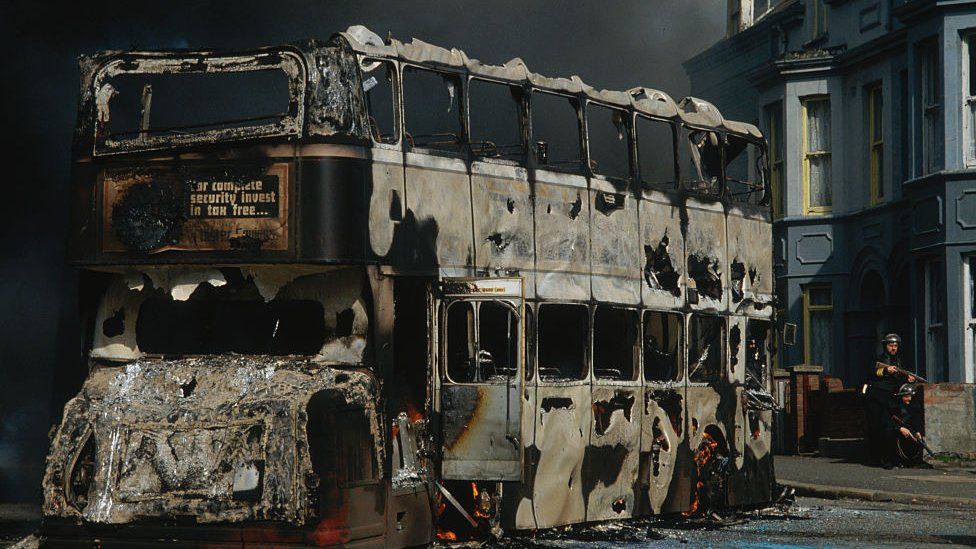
901	371
919	440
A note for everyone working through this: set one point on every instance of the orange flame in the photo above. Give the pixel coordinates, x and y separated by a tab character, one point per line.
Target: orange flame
703	455
445	535
477	512
413	413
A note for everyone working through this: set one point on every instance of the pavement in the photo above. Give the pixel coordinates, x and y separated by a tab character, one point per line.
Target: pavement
831	478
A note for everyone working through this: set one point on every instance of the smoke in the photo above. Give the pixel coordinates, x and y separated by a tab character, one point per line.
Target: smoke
615	45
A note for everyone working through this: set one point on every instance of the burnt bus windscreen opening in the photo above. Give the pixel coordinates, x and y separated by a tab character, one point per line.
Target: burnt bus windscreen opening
196	101
219	326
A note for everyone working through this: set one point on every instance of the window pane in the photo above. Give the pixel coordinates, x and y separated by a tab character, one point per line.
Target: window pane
563	337
662	346
378	87
555	131
655	150
461	366
497	341
495	131
609	146
820	296
818	125
936	306
820	183
972	286
431	110
706	348
615	349
821	340
877	118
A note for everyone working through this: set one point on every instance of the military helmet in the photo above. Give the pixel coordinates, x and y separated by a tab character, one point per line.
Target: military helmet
891	338
906	389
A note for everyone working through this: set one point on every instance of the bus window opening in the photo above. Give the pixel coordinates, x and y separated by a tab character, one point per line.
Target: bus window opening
706	348
378	90
555	132
432	110
615	343
563	336
494	114
744	175
607	134
655	153
662	346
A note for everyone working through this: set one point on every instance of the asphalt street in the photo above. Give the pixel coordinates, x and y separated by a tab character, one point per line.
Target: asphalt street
810	522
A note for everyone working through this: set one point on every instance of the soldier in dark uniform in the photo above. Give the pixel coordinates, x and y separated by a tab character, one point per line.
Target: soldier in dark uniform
880	393
902	431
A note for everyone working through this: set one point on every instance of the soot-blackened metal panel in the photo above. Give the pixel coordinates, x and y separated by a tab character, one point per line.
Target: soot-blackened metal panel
518	511
386	201
439	206
615	256
663	445
562	240
503	228
750	243
755	482
610	465
662	243
198	207
562	433
717	410
475	423
706	258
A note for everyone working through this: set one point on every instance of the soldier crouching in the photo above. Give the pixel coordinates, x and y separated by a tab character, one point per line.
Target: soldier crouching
901	436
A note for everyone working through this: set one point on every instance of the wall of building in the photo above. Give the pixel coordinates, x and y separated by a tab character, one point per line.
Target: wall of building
872	252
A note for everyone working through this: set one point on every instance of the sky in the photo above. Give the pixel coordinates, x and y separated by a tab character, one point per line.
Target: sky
609	44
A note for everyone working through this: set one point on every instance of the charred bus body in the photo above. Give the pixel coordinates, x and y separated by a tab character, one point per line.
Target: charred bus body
369	292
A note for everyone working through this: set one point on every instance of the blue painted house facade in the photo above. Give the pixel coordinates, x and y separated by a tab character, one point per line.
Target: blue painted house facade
870	110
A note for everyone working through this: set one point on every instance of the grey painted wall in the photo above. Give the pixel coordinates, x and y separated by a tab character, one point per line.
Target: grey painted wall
873	254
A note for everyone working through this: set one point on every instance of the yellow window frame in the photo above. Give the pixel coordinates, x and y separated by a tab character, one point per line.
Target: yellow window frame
807	155
807	309
876	143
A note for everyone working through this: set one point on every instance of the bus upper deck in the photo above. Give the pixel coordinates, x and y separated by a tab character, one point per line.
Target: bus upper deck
422	160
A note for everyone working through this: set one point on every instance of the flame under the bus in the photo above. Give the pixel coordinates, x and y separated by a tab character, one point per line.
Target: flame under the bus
707	452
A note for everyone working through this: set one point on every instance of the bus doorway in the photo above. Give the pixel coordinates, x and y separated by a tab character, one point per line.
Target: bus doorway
478	336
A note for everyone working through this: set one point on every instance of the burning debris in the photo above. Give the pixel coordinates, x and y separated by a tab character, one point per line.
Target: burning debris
711	462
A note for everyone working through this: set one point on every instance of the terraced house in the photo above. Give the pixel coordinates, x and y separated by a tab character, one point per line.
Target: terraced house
869	107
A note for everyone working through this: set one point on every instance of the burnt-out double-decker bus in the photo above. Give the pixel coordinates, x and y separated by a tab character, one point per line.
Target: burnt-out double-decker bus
366	292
